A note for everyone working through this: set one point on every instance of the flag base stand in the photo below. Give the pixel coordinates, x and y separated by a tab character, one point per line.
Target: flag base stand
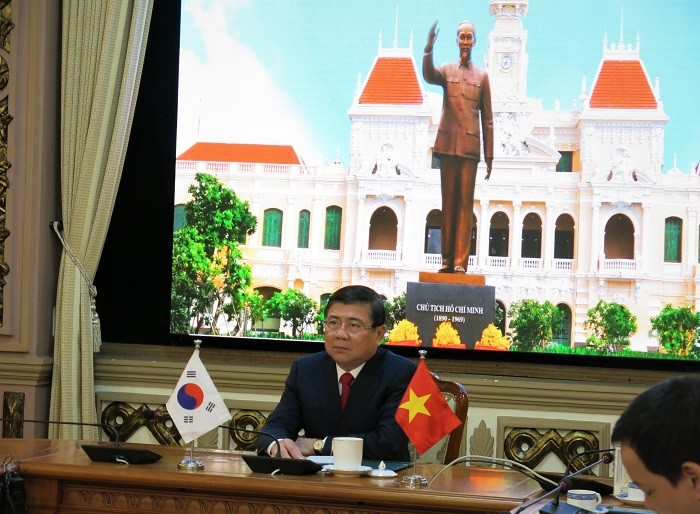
413	481
190	465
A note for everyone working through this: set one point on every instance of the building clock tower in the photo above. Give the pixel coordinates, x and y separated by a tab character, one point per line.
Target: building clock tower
507	59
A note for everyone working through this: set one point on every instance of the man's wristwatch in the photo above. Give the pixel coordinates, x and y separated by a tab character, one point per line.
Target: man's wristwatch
318	446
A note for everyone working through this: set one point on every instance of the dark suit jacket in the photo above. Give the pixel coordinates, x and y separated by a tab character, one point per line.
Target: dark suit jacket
467	95
310	401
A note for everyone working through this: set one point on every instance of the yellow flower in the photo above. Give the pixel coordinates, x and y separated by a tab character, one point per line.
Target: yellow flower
404	332
447	335
219	281
493	338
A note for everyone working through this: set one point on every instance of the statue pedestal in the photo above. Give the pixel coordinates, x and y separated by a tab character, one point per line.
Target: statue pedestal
452	278
462	300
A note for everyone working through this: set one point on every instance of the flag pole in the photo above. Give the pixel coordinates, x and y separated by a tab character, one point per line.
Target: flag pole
189	463
415	480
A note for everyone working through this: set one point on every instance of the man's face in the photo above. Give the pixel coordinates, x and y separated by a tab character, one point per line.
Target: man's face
466	39
660	495
347	349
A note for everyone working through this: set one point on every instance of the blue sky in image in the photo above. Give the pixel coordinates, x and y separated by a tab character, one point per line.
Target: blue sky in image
285	71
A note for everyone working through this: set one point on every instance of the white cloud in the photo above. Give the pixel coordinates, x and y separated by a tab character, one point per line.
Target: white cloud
229	96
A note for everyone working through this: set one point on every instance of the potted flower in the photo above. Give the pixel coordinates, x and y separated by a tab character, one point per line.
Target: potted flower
404	333
446	336
492	339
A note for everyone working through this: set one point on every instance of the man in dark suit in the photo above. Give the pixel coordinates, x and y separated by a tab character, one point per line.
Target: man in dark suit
660	449
467	98
311	401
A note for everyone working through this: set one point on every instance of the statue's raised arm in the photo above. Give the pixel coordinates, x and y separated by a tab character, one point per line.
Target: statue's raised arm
432	36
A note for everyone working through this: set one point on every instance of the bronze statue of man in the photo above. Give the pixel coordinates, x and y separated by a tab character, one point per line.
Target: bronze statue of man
466	117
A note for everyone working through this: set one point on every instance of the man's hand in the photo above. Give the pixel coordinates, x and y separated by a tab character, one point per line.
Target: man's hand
432	36
289	448
489	167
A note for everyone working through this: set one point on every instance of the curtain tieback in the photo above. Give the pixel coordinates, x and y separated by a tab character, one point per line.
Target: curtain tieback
92	290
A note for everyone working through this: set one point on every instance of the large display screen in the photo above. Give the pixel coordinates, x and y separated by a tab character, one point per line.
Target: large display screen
320	183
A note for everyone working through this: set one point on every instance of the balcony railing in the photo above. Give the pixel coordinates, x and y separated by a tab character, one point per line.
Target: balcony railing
497	262
380	255
619	265
530	263
563	264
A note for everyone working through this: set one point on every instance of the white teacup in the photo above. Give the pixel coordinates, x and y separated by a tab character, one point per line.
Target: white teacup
347	452
634	493
583	498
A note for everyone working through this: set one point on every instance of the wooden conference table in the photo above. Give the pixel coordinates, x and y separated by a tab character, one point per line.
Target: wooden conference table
60	478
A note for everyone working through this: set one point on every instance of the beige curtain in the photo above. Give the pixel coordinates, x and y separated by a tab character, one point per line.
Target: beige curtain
103	46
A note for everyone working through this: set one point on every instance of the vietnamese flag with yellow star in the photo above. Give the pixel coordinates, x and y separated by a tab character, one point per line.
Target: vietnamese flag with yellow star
423	412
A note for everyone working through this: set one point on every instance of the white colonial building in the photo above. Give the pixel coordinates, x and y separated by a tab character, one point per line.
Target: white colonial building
577	208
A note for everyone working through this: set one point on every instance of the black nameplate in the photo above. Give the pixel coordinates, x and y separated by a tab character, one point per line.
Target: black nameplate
469	309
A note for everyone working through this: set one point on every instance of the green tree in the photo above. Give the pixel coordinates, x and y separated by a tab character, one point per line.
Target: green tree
297	309
395	310
678	329
209	275
612	325
532	324
254	304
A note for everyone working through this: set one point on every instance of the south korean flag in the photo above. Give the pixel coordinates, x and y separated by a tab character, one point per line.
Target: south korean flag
195	406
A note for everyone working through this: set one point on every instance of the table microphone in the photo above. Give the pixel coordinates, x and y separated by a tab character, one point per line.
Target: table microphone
103	452
583	454
264	463
259	463
554	507
104	426
564	485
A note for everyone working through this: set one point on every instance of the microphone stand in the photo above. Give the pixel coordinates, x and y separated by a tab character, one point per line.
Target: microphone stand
564	485
554	507
258	432
106	427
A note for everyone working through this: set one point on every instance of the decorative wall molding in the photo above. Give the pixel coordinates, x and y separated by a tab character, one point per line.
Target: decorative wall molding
6	26
530	441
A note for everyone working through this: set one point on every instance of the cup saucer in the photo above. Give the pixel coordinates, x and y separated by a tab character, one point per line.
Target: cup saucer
598	510
349	472
628	501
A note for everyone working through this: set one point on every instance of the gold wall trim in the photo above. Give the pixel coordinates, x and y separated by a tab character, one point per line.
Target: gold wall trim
6	26
530	440
13	408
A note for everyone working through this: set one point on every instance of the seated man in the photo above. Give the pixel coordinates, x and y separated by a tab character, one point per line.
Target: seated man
660	445
353	328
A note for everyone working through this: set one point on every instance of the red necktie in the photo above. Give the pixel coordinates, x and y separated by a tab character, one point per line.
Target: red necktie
345	381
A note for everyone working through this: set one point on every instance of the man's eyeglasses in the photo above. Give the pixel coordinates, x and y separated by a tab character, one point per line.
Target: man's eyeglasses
351	327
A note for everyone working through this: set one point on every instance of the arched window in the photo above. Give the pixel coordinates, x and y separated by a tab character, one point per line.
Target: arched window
303	233
268	324
672	239
272	228
433	230
564	237
619	238
498	235
531	243
334	215
383	230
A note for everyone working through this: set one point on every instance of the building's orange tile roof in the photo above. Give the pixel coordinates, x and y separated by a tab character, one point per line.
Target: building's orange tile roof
622	85
235	152
392	80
